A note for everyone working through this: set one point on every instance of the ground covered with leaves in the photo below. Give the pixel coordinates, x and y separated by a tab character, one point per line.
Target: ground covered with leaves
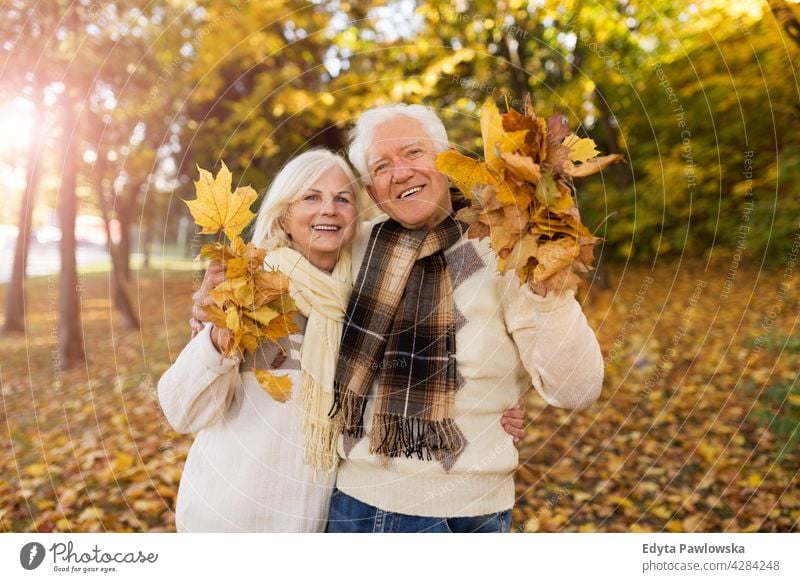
696	429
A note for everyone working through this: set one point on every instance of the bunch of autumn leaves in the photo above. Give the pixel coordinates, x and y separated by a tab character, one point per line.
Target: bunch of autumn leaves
252	304
521	194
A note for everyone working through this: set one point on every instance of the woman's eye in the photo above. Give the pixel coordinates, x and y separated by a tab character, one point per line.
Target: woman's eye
343	199
311	197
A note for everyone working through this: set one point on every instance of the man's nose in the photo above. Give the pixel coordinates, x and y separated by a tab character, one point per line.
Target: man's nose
401	173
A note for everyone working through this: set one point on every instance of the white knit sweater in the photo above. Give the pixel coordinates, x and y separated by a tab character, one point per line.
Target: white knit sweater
245	470
506	338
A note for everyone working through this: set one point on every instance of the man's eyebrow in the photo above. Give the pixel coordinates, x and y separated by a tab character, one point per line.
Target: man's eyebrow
408	144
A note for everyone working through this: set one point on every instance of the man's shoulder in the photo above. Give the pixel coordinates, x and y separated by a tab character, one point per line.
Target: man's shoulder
362	238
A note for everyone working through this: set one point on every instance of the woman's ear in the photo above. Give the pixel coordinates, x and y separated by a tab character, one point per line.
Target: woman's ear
282	224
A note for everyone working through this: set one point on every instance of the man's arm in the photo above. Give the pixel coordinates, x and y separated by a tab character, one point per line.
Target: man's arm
558	348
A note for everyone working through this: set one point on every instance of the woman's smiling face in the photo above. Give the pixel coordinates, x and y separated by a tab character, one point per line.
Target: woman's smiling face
322	219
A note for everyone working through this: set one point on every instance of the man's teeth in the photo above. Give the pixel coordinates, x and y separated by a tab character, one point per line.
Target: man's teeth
410	191
326	227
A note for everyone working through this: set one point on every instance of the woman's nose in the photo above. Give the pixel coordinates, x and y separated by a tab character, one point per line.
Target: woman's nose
328	207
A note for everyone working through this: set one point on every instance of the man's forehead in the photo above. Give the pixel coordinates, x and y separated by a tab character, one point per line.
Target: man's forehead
387	142
382	144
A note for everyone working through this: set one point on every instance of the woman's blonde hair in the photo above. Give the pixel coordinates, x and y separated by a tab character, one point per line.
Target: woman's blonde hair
294	178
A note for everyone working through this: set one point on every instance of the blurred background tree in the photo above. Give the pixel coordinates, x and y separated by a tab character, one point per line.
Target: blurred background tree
138	94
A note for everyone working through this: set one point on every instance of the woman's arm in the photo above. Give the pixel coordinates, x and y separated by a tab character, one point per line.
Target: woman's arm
198	388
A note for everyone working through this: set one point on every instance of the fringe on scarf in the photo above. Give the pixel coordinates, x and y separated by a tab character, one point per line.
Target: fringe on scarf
321	432
348	410
393	435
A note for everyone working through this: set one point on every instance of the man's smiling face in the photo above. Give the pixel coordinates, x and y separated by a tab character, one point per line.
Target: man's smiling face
405	182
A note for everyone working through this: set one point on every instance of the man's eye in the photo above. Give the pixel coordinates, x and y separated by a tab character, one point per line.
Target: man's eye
414	152
380	169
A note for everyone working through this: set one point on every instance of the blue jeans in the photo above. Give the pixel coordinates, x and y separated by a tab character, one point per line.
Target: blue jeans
349	515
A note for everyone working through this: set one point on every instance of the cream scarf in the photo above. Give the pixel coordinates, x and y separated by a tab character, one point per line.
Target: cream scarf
322	298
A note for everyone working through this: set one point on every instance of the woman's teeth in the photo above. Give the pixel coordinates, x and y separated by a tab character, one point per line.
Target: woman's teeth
327	227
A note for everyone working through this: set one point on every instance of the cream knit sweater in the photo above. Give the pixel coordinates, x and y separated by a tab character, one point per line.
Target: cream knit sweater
506	338
245	470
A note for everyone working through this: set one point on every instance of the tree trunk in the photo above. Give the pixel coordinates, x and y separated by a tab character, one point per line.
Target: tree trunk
15	299
70	334
118	281
124	214
619	173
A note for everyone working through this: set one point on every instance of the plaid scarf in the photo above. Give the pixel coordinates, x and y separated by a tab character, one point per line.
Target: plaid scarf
400	321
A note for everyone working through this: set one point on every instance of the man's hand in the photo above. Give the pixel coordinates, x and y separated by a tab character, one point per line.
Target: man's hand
514	421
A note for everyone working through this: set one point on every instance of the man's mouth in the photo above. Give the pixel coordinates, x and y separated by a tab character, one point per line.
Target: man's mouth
326	228
410	192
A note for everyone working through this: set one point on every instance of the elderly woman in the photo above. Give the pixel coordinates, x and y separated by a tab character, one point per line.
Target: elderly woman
256	464
246	468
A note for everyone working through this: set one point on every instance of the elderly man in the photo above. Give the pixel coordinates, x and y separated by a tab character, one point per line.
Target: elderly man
436	346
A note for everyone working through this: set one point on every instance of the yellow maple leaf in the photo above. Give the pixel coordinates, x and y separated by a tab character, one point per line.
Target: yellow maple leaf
226	291
517	260
215	315
465	172
590	167
523	167
580	148
279	387
280	327
217	207
554	256
233	320
216	252
496	140
284	305
263	315
236	267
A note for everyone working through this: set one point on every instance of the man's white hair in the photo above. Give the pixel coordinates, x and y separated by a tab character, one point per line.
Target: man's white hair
295	178
363	132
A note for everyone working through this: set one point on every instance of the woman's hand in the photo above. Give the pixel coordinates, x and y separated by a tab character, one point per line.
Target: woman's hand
215	274
514	421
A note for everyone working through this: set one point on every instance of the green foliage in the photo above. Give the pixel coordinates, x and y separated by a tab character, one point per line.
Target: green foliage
778	409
